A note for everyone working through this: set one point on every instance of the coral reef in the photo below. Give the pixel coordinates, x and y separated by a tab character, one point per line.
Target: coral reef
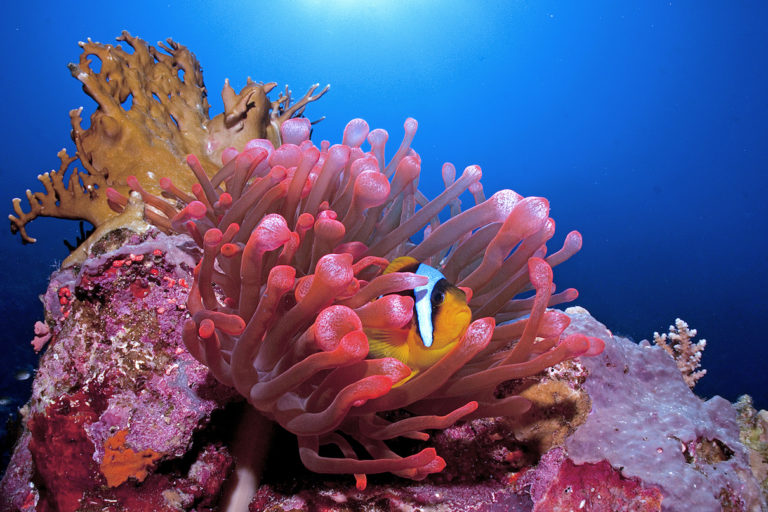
122	415
152	112
116	393
219	301
648	444
123	418
687	355
646	421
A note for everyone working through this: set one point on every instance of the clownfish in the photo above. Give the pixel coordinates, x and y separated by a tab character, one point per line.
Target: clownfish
440	319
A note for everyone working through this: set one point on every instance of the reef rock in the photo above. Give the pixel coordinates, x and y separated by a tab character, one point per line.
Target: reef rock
118	405
648	444
123	418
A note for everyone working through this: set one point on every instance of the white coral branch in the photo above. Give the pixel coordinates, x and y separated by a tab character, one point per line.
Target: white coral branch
678	343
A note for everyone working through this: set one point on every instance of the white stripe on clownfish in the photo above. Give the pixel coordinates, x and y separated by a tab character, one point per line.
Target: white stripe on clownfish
423	302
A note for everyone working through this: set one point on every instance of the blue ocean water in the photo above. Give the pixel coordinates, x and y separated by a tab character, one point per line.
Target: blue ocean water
644	123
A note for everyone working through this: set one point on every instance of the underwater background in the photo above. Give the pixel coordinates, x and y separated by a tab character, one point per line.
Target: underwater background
644	123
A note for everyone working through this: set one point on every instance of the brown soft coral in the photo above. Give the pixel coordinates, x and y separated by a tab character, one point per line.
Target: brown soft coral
152	112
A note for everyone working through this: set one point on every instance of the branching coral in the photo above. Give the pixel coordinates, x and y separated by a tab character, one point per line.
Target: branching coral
677	343
152	111
295	239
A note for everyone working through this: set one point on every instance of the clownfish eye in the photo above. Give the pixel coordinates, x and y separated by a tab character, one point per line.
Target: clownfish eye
438	293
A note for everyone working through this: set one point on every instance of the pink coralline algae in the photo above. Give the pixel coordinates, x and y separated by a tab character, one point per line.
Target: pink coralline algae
559	485
116	393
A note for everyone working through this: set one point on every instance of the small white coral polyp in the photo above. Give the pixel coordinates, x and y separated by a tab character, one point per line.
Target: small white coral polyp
294	241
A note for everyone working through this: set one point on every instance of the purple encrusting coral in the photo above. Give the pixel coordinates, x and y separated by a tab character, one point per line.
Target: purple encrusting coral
116	393
647	422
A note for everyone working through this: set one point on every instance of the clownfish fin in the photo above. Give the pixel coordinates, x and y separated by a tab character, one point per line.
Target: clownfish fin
402	264
387	342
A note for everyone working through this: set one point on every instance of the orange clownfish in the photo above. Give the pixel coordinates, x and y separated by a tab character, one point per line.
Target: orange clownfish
440	319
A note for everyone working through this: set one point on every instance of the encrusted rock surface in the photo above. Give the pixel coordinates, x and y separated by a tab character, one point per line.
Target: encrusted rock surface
122	418
646	421
118	406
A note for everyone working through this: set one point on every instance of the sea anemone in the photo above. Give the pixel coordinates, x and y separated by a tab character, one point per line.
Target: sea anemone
294	242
